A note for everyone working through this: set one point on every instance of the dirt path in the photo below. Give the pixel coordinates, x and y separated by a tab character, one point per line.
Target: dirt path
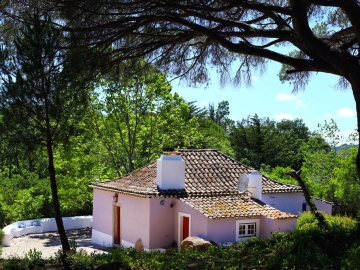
49	243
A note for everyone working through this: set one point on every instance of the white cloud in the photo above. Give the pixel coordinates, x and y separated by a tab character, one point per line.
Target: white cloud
285	97
328	116
281	116
204	103
299	103
341	113
346	113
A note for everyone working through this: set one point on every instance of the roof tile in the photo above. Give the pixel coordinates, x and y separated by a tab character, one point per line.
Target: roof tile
207	172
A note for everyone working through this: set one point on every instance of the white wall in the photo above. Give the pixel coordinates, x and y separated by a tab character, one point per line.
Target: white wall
134	218
292	202
198	221
322	206
268	225
162	222
102	218
24	227
286	202
170	172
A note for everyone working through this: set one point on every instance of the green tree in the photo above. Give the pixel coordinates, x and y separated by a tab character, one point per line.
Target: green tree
347	185
135	116
261	142
330	171
186	38
318	168
40	97
219	114
256	142
292	134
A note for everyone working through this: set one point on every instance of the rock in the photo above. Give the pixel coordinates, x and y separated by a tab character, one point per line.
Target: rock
195	243
139	246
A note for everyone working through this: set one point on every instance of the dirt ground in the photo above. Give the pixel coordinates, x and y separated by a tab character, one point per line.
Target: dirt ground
49	243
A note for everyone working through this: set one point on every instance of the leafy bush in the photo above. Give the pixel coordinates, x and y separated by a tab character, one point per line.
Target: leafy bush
2	234
35	260
80	260
337	224
351	259
1	237
308	247
305	219
15	263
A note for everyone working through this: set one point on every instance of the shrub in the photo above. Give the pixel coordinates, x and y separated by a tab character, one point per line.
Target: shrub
339	224
15	263
1	237
80	260
305	219
35	260
351	259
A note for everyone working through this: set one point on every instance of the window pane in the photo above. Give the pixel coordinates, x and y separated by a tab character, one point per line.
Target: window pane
251	229
242	229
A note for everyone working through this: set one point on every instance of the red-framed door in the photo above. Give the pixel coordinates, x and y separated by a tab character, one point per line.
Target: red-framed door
117	225
185	227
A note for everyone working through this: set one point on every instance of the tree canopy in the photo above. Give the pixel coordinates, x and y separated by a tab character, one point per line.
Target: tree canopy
186	38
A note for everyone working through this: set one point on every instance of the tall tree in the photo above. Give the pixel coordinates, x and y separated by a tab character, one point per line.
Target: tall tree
256	142
261	141
182	37
136	115
219	114
41	95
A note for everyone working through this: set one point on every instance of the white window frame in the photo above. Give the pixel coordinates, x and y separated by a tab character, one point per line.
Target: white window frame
180	215
247	222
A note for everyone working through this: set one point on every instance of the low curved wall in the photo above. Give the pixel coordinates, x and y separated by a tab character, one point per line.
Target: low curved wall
24	227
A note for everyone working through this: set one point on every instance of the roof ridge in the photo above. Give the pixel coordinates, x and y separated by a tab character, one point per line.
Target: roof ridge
198	150
251	168
208	172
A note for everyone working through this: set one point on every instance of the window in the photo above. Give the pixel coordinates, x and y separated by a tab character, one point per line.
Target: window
303	207
246	229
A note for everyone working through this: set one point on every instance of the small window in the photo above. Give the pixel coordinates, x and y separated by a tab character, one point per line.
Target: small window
304	207
242	229
247	230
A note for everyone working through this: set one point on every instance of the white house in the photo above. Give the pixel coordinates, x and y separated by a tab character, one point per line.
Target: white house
192	193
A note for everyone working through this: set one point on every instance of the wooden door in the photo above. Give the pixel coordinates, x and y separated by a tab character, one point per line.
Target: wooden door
117	225
185	227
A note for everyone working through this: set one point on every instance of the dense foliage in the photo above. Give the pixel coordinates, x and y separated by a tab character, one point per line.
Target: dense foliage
308	247
236	38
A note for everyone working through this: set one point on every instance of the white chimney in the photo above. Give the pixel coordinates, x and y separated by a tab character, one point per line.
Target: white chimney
255	185
170	172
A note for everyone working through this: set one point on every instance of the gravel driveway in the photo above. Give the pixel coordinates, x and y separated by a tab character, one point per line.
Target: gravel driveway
49	243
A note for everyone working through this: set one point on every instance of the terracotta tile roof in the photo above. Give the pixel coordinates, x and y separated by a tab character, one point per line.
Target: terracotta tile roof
208	172
233	206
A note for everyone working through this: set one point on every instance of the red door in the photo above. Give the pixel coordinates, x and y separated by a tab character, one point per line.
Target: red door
185	231
117	225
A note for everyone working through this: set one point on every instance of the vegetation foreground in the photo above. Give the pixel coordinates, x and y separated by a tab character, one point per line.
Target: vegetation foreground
308	247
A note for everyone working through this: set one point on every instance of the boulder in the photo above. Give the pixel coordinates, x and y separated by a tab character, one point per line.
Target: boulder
195	243
139	246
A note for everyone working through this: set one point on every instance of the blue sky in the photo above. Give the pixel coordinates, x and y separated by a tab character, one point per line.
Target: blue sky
268	97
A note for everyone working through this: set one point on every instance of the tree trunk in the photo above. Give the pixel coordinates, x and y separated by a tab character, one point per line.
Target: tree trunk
59	222
320	218
58	217
354	80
